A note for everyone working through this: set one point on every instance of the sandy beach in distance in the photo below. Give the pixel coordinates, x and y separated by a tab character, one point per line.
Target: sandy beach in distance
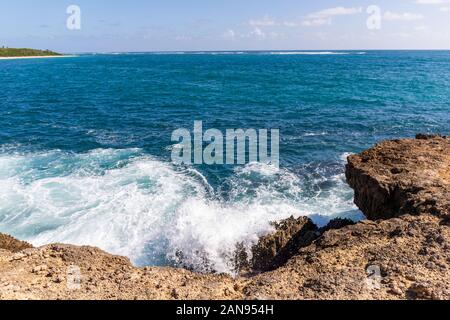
35	57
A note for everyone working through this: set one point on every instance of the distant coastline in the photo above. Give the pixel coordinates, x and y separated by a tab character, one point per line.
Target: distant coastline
25	53
35	57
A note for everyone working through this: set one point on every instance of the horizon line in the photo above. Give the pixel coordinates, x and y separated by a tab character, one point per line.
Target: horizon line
250	50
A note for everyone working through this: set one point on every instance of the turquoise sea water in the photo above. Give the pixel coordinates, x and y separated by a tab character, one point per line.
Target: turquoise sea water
85	143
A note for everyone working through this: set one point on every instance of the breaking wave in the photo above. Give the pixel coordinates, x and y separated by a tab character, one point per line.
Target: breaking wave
132	204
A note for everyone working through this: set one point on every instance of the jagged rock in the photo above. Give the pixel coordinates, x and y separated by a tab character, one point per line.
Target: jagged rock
11	244
410	176
422	136
339	264
276	248
337	223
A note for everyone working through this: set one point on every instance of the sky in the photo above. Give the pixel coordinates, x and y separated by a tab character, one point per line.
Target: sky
184	25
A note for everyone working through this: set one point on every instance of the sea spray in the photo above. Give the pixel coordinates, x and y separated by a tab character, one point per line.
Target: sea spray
129	203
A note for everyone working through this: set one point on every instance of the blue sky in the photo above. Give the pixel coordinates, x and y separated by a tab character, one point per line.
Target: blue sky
139	25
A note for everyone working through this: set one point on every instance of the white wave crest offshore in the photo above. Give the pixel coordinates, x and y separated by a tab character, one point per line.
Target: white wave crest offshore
308	53
131	204
238	53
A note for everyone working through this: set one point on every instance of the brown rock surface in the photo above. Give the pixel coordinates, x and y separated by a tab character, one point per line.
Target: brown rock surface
275	249
407	257
410	176
411	253
47	273
11	244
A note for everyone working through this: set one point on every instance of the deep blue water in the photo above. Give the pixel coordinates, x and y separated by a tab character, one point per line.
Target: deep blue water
85	143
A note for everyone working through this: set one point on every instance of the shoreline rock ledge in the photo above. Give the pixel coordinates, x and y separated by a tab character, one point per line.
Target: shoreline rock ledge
409	176
402	251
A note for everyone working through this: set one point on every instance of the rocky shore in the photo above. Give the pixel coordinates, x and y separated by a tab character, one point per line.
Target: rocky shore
409	176
402	250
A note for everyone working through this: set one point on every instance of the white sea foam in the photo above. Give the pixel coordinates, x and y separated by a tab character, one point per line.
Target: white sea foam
314	134
344	156
233	53
131	204
308	53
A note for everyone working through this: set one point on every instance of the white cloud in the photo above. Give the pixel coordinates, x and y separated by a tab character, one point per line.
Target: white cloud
266	21
337	11
316	22
316	19
290	24
436	2
405	16
258	33
229	34
432	1
324	17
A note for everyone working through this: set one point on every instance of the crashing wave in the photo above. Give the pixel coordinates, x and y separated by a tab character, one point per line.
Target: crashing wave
129	203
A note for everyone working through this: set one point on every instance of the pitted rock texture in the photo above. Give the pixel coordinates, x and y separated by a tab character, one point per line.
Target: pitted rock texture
275	249
11	244
401	258
409	176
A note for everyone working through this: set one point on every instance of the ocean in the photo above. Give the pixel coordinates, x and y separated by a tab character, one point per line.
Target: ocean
85	143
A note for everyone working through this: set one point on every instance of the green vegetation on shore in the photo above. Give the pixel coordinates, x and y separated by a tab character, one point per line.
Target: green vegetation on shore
23	52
